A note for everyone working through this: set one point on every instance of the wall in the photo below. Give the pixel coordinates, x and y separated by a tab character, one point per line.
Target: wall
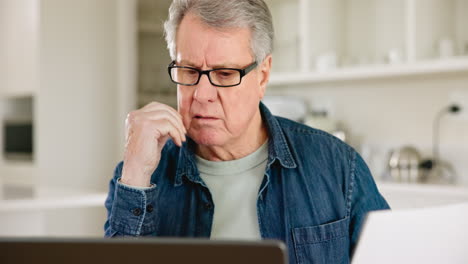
127	67
383	114
77	99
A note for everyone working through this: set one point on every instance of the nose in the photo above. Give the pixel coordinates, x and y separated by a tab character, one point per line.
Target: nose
205	92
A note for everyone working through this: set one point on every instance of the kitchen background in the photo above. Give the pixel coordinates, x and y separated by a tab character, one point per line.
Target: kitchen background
379	74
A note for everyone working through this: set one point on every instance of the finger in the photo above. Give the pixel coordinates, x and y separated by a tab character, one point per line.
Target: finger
164	115
167	129
158	106
160	115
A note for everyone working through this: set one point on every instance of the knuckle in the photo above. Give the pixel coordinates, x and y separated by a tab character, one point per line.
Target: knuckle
166	116
131	116
168	119
153	103
145	123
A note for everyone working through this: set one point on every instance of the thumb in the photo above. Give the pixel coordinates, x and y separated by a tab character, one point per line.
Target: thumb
162	141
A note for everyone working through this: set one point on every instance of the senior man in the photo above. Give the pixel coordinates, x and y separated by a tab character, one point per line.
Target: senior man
222	166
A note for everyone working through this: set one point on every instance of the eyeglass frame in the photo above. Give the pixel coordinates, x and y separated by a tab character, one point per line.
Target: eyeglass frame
242	73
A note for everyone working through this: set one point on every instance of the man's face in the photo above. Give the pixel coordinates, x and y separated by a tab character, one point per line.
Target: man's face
215	116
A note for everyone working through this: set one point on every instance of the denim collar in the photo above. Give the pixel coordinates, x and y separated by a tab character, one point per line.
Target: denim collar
278	149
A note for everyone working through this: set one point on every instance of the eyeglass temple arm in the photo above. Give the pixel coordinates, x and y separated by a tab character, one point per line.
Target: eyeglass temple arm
249	68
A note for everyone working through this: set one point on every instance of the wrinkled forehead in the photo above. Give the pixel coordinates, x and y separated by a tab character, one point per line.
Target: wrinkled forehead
203	45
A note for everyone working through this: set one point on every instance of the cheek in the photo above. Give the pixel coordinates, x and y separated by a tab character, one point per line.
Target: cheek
184	101
250	95
240	107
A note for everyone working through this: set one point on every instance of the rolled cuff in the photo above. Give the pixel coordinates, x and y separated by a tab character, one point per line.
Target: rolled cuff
133	211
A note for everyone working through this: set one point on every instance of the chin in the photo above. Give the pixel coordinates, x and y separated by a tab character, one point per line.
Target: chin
207	138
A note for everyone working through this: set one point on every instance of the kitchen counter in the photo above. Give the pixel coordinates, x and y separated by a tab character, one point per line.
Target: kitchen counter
59	213
82	214
405	195
65	202
399	195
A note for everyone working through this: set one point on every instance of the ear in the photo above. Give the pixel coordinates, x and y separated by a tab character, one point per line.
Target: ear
264	74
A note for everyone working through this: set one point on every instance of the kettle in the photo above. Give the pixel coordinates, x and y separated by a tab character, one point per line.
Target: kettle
403	165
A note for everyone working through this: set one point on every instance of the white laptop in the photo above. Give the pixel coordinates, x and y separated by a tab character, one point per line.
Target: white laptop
428	235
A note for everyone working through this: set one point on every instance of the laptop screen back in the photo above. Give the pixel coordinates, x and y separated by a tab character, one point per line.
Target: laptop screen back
428	235
115	251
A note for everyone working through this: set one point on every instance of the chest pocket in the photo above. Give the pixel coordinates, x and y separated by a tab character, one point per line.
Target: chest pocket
328	243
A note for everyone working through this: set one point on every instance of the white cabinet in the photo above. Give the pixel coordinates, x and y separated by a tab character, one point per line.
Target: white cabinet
66	57
331	40
377	62
439	20
288	40
75	61
349	39
18	47
19	80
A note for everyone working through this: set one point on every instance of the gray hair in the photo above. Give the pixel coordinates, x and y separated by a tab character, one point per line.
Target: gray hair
252	14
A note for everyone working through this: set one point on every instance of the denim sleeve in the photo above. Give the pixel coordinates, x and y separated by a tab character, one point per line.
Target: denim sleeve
129	211
363	198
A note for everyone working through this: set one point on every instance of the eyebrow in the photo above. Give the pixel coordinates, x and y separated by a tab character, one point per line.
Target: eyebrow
216	66
188	63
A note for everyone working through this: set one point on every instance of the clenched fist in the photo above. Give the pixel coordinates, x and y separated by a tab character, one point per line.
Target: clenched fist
146	132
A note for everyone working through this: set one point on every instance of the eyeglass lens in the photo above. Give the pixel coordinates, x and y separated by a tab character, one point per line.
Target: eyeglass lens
223	77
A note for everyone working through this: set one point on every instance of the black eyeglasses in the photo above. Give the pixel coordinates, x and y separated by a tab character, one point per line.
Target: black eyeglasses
221	77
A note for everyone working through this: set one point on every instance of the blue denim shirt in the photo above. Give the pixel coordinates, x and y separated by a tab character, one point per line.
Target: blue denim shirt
314	196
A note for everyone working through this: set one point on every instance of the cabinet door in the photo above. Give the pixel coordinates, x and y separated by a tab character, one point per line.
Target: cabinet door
18	48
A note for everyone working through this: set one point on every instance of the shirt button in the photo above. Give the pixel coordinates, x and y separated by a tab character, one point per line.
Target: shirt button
149	208
208	206
137	212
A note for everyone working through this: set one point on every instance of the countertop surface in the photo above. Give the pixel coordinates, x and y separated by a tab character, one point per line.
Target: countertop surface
50	199
394	192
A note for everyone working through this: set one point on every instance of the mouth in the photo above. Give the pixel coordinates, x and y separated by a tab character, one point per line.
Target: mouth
200	117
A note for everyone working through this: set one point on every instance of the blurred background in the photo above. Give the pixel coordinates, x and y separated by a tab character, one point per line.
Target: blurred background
389	77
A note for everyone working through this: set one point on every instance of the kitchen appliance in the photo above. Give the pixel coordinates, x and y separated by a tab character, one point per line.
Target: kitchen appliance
322	120
404	165
437	170
18	139
287	106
